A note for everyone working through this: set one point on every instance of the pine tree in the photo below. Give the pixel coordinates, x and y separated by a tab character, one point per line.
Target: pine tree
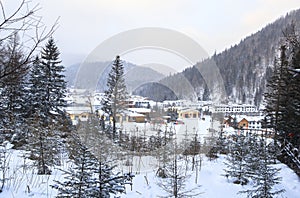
206	94
93	172
52	78
264	175
114	100
283	99
79	179
42	144
13	92
164	153
236	161
282	96
276	94
109	182
48	85
292	113
46	115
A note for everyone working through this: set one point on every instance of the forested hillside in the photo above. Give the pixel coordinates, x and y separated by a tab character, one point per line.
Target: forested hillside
245	67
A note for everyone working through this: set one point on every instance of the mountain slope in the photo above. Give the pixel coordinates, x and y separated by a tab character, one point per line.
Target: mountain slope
135	76
244	68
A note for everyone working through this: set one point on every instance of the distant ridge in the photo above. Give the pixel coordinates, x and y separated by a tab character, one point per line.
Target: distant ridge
135	76
245	67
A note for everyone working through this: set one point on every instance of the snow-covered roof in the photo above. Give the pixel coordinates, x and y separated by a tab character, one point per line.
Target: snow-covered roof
188	110
140	110
248	118
78	110
133	114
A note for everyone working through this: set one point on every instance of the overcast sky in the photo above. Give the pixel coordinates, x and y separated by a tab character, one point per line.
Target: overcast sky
214	24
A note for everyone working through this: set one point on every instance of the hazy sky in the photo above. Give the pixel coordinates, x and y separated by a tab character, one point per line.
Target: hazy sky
214	24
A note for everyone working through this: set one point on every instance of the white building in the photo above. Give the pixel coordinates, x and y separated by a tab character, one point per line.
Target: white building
234	108
255	122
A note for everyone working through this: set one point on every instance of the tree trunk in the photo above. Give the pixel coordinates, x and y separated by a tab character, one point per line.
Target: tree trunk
114	127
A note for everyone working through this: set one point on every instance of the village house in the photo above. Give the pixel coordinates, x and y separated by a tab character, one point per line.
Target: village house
78	113
228	122
144	111
135	117
188	113
243	123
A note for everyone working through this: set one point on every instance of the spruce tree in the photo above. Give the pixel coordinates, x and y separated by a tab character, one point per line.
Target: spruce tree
236	161
276	95
92	174
79	178
264	175
13	92
48	85
114	100
292	113
47	91
54	78
283	98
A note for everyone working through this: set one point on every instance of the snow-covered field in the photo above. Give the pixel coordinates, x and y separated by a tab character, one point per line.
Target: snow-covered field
190	127
211	182
24	182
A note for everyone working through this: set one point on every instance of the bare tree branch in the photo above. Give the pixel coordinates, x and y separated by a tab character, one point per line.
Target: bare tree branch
29	26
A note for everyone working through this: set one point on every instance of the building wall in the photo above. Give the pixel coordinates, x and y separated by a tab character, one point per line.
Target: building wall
235	108
189	114
243	124
255	125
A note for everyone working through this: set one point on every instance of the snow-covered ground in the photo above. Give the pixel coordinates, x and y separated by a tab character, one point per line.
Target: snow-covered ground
24	182
210	182
190	127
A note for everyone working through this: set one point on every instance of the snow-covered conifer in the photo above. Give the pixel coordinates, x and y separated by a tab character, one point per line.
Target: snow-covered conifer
114	100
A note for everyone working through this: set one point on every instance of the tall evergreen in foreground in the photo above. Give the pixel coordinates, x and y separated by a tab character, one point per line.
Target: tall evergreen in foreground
48	85
236	161
283	96
79	180
45	117
263	174
12	91
292	113
276	95
115	97
92	173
